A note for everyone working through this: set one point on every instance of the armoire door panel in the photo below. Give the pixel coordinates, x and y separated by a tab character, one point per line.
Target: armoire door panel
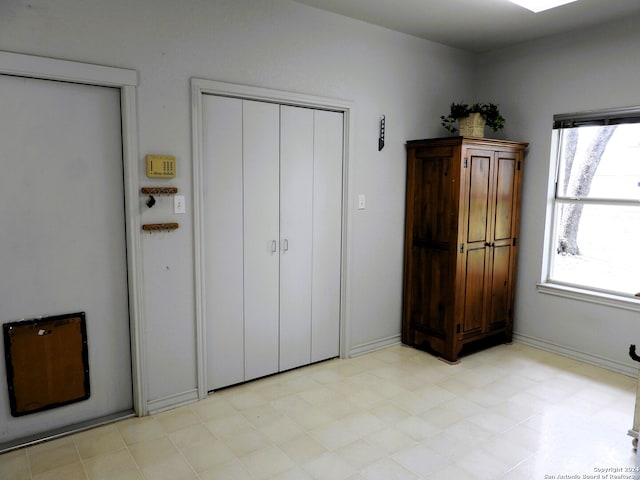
296	215
222	120
433	215
430	289
261	152
505	197
327	234
500	286
479	186
474	292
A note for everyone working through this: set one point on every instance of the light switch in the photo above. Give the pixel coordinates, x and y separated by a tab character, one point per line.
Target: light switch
362	203
178	204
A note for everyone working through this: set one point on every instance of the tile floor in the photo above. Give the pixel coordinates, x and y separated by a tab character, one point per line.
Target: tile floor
510	412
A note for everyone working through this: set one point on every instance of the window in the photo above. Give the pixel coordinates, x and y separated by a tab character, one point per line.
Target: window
595	238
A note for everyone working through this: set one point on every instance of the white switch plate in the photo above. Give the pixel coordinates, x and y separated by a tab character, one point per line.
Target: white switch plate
178	204
362	203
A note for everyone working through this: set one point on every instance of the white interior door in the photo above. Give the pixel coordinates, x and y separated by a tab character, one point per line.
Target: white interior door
261	156
63	233
296	233
272	185
223	232
327	234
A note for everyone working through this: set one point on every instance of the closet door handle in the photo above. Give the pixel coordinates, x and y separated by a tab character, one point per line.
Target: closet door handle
285	245
274	246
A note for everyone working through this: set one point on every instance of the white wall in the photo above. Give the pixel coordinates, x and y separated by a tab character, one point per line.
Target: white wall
268	43
586	70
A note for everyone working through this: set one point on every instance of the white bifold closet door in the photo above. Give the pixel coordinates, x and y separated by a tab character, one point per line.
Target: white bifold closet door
273	206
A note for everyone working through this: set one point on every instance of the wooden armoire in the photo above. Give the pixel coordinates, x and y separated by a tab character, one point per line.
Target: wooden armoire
461	243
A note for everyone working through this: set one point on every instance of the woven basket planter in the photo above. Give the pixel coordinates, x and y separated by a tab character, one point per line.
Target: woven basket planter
472	126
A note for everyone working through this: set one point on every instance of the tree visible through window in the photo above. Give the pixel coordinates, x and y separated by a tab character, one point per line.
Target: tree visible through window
596	232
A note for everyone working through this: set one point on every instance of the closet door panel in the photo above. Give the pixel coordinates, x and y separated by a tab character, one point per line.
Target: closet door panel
296	194
260	143
222	118
327	234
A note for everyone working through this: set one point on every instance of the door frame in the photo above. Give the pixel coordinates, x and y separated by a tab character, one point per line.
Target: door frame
126	81
201	87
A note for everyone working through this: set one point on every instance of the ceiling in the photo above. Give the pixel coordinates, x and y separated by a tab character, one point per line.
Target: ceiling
478	25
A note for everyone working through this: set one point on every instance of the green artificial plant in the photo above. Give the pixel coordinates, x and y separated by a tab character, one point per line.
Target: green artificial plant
489	111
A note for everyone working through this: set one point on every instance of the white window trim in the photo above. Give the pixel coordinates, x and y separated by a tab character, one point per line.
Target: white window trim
590	296
559	289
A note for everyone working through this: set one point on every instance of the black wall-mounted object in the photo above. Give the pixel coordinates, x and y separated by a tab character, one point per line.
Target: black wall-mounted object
381	137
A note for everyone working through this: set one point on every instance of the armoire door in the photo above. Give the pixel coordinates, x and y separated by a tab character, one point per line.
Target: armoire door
477	180
504	228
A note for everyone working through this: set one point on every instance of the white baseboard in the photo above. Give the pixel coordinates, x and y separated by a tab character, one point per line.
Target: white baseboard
598	361
375	345
172	401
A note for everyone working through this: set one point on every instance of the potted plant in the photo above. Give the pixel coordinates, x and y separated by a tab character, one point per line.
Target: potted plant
472	119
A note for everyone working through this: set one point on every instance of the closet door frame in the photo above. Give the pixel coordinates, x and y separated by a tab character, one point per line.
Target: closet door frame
200	87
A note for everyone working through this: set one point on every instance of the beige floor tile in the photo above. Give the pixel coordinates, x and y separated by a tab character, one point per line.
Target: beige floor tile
246	399
421	460
229	427
281	429
71	471
207	455
213	407
482	466
302	449
417	428
295	473
50	456
390	413
247	442
136	430
360	453
261	415
310	418
387	469
112	466
99	441
153	451
191	436
334	435
451	472
173	467
176	419
329	466
267	462
390	440
229	470
363	423
15	465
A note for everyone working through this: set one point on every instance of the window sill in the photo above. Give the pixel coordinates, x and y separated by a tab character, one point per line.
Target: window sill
590	296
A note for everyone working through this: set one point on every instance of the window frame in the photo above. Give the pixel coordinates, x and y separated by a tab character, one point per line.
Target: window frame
559	288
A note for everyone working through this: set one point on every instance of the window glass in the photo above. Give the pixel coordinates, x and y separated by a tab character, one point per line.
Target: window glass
596	234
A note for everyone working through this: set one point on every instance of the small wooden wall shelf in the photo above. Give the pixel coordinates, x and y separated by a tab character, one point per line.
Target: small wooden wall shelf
159	190
160	227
